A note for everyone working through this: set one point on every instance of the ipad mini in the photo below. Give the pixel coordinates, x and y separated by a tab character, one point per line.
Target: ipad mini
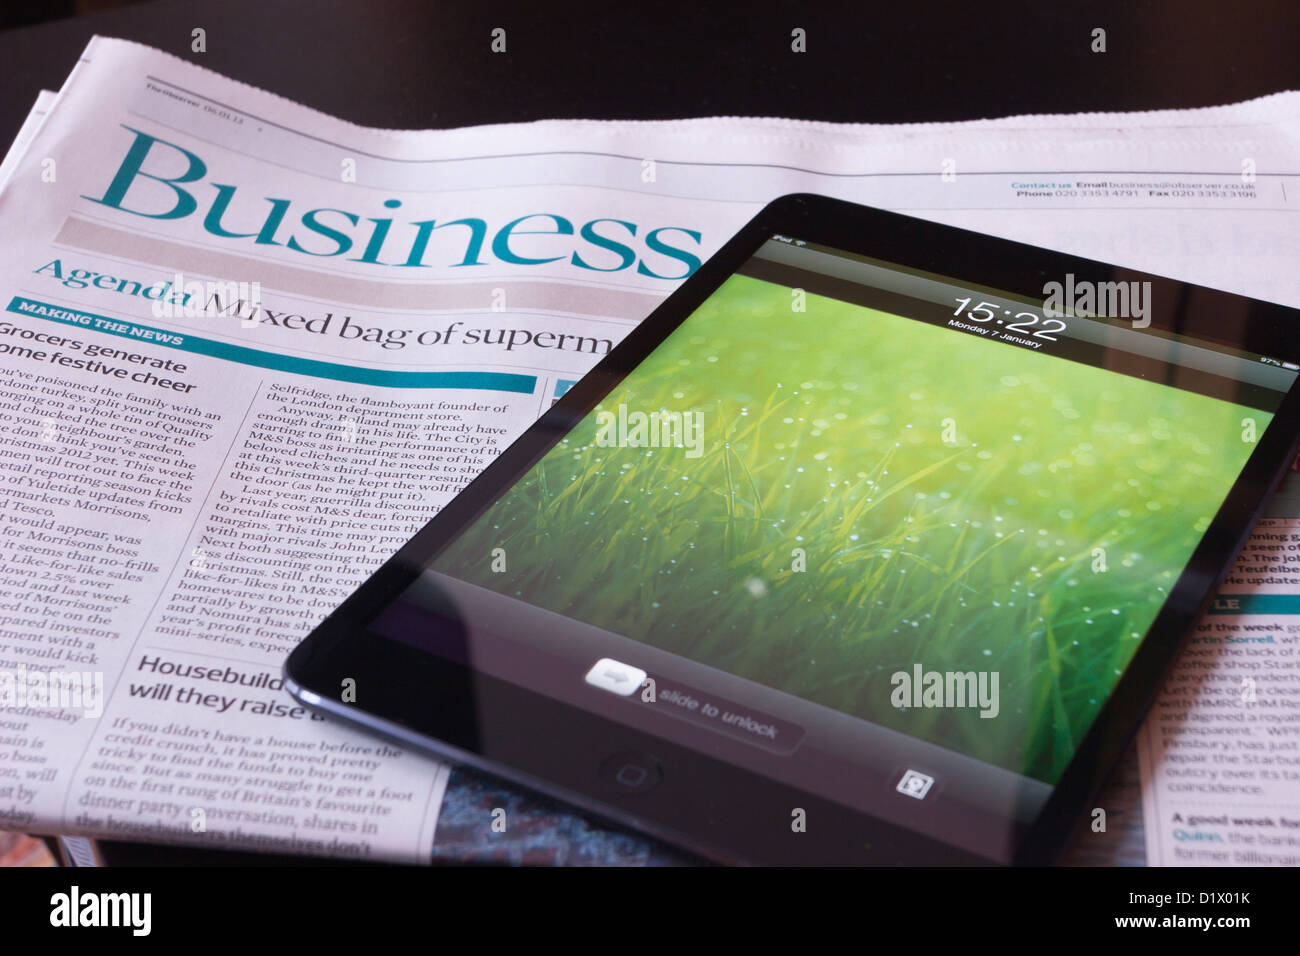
869	546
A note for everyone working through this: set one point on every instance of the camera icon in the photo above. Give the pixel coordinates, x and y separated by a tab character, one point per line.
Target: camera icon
915	784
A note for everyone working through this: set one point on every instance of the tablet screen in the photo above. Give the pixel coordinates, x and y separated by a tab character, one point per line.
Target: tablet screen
882	533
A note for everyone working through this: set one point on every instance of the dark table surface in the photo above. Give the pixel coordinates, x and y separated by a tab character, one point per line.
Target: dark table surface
413	63
407	63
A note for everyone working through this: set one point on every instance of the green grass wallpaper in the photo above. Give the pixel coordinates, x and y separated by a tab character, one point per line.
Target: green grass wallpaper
947	494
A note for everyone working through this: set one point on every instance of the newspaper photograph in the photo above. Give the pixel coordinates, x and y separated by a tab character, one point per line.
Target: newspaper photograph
247	350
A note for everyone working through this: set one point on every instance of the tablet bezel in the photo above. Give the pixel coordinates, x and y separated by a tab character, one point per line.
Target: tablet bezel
711	807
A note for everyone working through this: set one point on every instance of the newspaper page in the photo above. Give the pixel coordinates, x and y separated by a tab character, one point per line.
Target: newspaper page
1221	750
249	349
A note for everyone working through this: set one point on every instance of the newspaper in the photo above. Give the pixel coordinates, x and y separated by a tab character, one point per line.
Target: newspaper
248	349
1221	751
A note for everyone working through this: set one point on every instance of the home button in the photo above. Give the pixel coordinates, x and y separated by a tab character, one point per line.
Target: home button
631	771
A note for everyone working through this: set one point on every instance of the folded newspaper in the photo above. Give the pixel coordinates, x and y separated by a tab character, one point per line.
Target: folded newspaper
248	349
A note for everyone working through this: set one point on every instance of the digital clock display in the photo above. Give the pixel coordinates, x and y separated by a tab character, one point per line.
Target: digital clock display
1018	322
